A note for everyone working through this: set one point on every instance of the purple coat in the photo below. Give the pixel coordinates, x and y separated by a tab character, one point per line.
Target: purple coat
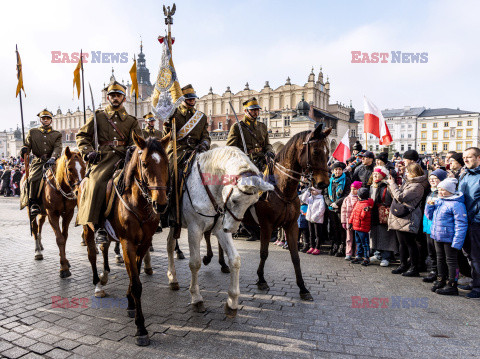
449	220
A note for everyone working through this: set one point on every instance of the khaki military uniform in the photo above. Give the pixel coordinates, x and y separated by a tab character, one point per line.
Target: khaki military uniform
151	132
43	143
186	145
256	139
112	148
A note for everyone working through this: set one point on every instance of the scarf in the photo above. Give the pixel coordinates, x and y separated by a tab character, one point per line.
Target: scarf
340	187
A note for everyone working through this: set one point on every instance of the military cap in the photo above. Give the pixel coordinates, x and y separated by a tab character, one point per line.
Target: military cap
251	104
116	87
45	113
188	92
149	117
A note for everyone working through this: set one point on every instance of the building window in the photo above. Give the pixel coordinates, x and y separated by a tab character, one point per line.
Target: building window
354	133
468	144
286	122
446	134
445	146
424	125
434	147
435	134
424	134
409	146
459	146
403	126
469	123
409	135
402	148
459	123
469	133
459	133
376	148
445	124
409	126
435	125
220	125
423	147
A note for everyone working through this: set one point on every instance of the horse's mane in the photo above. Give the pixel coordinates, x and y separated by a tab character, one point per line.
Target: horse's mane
226	160
290	146
60	166
152	145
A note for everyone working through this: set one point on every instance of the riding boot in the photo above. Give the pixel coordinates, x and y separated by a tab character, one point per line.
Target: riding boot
254	232
274	235
101	236
180	254
34	208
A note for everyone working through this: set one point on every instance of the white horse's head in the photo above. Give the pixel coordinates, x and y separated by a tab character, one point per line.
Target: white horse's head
242	182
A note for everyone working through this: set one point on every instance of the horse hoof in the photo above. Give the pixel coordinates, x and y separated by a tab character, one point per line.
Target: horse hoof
148	271
206	260
174	286
306	296
131	313
229	312
199	307
263	286
142	340
65	273
225	269
119	259
100	294
180	255
38	257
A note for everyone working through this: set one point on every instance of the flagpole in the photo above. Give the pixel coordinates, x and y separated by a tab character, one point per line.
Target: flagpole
83	89
134	59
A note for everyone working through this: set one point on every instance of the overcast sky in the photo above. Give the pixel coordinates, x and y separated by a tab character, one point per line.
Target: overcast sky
220	44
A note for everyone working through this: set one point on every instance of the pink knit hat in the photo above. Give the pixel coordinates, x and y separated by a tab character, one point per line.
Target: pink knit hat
357	184
382	170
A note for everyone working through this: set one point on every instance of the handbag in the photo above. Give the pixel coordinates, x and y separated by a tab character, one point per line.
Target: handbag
383	211
401	210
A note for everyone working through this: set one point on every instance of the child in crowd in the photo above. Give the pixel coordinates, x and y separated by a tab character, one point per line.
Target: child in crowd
382	240
303	230
361	220
449	228
434	179
316	209
347	208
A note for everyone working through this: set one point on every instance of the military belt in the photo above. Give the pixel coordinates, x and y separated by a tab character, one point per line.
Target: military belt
115	143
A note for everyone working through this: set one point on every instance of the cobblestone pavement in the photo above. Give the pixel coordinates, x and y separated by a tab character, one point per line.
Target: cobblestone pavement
273	324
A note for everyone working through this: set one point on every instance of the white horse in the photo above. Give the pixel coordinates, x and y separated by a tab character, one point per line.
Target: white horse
222	185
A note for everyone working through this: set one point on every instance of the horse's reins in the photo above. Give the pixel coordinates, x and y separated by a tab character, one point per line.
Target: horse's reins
70	195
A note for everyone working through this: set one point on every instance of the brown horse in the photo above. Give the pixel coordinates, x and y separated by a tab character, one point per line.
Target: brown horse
134	219
304	155
59	201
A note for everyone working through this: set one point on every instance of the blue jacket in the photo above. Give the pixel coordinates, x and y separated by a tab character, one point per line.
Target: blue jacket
302	220
449	220
470	187
426	222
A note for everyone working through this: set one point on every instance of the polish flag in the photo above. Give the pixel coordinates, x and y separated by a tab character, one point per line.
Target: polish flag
342	152
374	123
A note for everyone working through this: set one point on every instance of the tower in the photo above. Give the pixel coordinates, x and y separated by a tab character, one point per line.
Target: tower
145	87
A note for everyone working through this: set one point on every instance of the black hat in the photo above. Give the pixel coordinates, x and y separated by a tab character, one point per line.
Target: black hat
367	154
382	156
459	158
357	146
411	155
363	193
188	92
339	165
397	154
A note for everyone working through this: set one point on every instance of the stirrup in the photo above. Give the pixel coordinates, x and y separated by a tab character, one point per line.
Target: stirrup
34	210
101	236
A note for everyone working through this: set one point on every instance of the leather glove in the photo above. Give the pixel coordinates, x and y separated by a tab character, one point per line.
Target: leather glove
91	157
270	155
23	151
50	162
202	147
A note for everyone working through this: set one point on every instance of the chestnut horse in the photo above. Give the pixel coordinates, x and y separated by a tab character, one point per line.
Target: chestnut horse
134	220
59	201
304	155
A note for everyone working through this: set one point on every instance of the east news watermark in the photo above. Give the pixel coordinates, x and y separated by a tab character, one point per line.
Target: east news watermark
94	57
93	302
393	57
394	302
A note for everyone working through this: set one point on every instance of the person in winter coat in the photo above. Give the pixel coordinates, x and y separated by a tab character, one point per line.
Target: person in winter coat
407	199
17	176
364	171
382	240
315	213
456	165
361	220
449	228
303	230
337	191
382	160
6	181
347	208
435	178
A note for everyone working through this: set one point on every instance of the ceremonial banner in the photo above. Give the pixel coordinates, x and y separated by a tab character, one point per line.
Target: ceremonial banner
375	123
19	76
76	77
133	76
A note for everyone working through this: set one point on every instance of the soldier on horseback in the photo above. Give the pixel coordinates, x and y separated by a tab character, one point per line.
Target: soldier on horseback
114	130
149	130
192	135
46	145
255	133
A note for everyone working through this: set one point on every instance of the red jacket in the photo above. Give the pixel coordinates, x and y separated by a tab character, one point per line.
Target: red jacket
360	218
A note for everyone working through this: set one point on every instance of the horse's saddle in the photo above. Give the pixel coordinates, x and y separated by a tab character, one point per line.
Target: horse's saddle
111	193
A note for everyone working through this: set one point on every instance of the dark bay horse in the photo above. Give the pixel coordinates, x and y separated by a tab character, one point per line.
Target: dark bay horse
304	155
59	201
134	219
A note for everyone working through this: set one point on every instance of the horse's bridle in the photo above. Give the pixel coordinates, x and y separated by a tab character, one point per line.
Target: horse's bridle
68	195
